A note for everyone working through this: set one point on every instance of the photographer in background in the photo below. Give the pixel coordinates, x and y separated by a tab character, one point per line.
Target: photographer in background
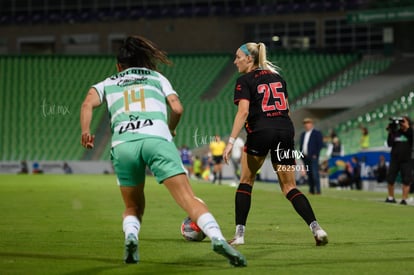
400	139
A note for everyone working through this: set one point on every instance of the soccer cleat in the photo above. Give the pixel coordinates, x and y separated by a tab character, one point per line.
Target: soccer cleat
390	200
403	202
238	236
236	240
321	237
223	248
131	249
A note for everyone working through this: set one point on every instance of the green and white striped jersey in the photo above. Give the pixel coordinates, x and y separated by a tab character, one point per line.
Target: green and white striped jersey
136	100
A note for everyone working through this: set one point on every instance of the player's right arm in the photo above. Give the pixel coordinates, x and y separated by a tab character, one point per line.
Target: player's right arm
239	121
91	101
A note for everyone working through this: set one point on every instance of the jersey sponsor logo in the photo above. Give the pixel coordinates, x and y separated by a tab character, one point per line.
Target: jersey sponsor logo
135	123
401	138
131	81
262	72
131	71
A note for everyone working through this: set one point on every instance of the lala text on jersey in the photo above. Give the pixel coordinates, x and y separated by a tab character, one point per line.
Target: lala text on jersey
135	123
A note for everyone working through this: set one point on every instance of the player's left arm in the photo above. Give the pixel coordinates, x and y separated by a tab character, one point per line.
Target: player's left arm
176	112
91	101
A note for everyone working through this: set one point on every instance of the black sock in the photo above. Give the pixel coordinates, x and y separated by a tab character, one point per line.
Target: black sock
243	201
301	205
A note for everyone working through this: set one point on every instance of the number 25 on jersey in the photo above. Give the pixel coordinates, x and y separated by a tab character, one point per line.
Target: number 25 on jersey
271	90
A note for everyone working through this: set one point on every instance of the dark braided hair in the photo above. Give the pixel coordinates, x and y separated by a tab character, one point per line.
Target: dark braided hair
138	51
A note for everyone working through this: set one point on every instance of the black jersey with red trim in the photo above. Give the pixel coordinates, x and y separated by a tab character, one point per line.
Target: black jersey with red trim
266	91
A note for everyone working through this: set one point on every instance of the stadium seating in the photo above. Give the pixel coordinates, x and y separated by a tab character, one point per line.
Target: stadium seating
376	121
42	97
355	73
305	71
43	94
108	11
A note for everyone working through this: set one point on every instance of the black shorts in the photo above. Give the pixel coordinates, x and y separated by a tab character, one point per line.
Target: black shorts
217	159
280	142
405	168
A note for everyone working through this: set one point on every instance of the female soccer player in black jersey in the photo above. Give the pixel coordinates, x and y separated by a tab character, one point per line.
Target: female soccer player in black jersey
263	109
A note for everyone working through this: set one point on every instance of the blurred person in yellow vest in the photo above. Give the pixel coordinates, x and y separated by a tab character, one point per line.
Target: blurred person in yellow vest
216	149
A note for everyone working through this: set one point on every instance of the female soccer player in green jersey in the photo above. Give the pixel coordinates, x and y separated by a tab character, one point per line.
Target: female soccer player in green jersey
137	98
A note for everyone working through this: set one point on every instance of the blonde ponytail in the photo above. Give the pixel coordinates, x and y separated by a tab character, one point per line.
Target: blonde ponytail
258	52
263	62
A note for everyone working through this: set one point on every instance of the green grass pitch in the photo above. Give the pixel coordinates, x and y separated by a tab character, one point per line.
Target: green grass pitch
71	224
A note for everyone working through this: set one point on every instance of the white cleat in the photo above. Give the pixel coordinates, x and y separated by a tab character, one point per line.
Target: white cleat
321	237
237	240
131	250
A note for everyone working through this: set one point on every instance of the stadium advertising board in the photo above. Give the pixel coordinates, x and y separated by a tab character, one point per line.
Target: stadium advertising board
382	15
368	162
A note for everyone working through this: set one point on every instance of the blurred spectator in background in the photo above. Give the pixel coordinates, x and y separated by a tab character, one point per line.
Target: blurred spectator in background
36	168
217	148
364	142
186	158
67	169
197	167
335	148
343	180
351	178
324	173
311	143
355	173
400	139
331	134
207	162
380	171
24	169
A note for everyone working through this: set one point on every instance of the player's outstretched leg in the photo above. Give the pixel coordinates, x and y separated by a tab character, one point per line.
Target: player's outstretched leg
223	248
304	209
131	249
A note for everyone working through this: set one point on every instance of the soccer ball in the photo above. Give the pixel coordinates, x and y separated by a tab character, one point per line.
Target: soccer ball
191	231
